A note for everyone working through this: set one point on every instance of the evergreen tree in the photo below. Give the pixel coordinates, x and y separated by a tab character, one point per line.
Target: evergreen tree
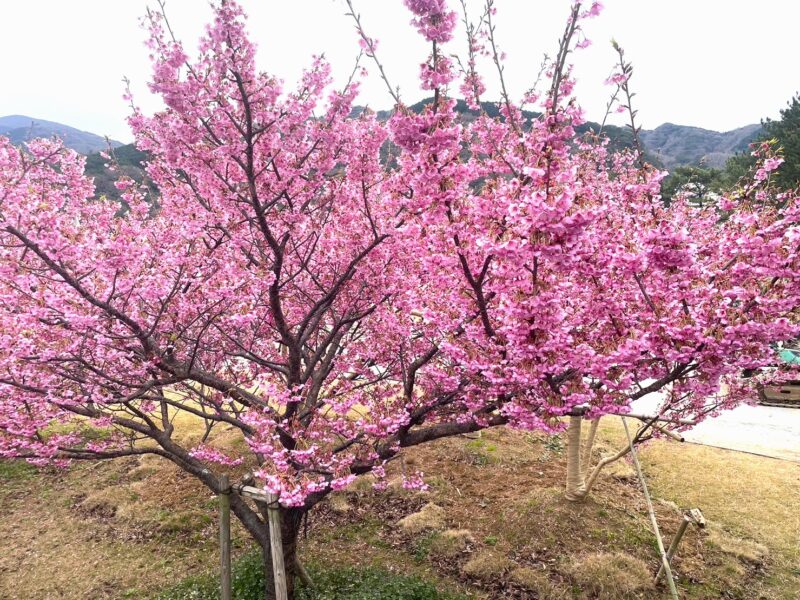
786	131
786	135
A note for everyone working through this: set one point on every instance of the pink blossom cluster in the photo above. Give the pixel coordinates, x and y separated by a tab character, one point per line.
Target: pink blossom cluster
433	19
208	454
334	288
436	75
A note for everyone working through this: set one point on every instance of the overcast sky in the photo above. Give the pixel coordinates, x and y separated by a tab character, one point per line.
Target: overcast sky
717	64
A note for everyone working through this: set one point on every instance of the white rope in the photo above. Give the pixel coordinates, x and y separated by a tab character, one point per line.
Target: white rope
664	560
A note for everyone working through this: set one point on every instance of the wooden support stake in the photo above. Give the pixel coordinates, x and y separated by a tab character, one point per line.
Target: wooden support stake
581	409
693	516
675	436
660	419
225	536
276	547
275	541
255	493
651	511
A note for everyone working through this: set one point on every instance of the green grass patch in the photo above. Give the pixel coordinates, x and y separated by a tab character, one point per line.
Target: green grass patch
346	583
371	584
480	453
422	546
366	530
11	470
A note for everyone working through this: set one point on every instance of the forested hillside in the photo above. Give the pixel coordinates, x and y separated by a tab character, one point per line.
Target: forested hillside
19	128
678	145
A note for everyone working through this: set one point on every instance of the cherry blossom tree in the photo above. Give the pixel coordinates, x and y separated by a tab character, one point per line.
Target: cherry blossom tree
333	289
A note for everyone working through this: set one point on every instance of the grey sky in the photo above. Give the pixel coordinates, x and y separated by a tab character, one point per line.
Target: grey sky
711	63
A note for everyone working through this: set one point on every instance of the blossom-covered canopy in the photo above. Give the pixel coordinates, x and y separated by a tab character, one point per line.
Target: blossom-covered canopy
336	287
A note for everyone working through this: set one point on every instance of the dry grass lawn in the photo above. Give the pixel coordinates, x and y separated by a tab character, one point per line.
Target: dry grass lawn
494	525
113	530
750	501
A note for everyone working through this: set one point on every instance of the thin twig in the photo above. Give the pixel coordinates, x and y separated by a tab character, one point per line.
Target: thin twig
500	68
627	71
371	52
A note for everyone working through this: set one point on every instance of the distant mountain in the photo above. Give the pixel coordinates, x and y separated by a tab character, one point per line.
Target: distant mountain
679	145
19	129
619	137
667	146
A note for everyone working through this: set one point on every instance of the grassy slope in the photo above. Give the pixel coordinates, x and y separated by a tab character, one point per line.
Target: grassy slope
130	528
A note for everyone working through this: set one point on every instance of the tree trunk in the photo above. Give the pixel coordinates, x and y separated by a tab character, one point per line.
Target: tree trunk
581	477
269	580
290	527
574	471
588	446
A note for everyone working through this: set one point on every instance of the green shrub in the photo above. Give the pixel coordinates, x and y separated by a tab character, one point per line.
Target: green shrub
247	582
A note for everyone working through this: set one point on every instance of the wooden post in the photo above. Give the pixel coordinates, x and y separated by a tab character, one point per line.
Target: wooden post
673	546
275	541
225	536
276	546
693	516
673	590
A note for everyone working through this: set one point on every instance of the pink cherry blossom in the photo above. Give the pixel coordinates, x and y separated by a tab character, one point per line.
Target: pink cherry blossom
335	288
433	19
